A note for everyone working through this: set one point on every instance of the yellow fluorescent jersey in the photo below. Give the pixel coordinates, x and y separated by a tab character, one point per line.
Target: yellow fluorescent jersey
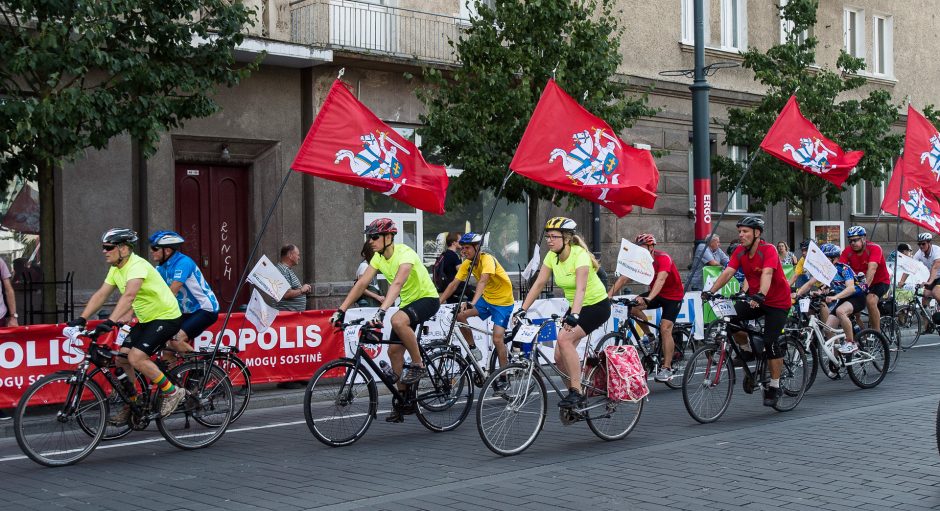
418	285
498	290
564	272
154	300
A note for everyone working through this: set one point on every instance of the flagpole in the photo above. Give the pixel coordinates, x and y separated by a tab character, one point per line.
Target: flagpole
476	256
897	236
695	260
244	276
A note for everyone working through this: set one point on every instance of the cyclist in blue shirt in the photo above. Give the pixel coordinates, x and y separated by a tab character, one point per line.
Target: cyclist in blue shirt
848	292
197	302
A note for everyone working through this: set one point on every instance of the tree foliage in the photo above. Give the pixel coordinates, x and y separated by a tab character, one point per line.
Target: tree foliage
476	115
787	69
76	73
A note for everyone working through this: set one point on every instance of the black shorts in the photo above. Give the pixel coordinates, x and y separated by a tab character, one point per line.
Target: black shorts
195	323
418	312
929	287
857	301
774	321
152	336
880	289
593	316
670	308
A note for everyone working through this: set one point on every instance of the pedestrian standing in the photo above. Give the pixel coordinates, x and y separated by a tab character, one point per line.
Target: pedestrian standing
295	299
8	315
707	255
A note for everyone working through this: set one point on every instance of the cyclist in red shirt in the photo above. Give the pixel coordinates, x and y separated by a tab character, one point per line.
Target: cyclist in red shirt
764	273
665	293
868	259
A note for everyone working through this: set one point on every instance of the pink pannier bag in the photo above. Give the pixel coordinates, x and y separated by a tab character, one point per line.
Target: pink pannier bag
626	379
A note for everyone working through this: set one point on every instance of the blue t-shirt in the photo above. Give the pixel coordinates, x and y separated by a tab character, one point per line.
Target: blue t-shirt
844	274
195	294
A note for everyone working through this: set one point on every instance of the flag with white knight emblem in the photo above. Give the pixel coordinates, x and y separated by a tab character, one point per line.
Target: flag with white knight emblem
568	148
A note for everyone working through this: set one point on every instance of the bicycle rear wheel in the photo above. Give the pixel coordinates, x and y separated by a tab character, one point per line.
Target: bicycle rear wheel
445	395
685	346
918	325
869	374
793	377
340	402
204	414
614	420
891	330
58	422
706	392
511	410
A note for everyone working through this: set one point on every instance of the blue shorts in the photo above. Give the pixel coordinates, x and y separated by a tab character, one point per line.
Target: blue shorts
195	323
500	313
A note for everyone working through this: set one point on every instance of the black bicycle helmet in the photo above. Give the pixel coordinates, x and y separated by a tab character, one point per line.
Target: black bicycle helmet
119	236
754	222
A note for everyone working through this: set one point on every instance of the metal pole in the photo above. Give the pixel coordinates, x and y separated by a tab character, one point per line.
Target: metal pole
596	229
701	171
476	257
695	260
897	235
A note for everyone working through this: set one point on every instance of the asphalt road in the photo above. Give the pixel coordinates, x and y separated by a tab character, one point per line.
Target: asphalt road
841	448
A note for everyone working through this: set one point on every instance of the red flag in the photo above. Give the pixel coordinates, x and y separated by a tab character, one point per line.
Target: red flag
349	144
568	148
796	141
919	205
922	148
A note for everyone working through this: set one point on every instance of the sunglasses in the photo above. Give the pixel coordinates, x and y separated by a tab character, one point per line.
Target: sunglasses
153	248
108	248
922	243
374	237
855	240
550	237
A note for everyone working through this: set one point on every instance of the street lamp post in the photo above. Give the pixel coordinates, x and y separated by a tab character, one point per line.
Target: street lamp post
701	170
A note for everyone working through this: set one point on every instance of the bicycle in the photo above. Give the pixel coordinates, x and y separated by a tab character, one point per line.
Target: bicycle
239	374
512	408
707	394
914	319
628	331
867	367
62	417
436	340
341	399
891	330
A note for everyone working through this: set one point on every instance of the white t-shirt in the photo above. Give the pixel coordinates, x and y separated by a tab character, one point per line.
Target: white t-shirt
928	259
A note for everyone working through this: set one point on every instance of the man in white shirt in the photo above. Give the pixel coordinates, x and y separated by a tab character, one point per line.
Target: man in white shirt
928	254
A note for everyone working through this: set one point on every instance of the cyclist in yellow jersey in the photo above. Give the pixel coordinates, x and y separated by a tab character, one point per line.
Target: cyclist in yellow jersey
145	293
492	298
575	272
409	279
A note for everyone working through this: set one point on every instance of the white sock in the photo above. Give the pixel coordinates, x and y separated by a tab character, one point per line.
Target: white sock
775	383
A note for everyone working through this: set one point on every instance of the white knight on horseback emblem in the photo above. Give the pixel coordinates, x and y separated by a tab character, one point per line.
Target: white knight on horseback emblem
377	159
918	209
593	161
812	154
933	155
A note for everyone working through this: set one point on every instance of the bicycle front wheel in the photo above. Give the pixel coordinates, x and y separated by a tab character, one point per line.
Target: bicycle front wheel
59	422
918	324
511	410
891	330
608	419
204	414
874	347
340	402
793	377
706	391
445	396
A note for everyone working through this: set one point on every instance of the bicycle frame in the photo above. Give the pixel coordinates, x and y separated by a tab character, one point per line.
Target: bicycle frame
729	345
813	333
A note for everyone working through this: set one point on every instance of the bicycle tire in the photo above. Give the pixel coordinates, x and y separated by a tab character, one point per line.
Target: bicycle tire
923	323
618	417
240	378
445	395
891	330
685	346
812	361
793	377
500	411
874	343
112	431
702	383
37	422
330	395
210	407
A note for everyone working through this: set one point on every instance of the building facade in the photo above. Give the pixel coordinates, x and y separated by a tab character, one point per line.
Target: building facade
215	179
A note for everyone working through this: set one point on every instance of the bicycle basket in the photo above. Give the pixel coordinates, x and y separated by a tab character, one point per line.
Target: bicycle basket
100	355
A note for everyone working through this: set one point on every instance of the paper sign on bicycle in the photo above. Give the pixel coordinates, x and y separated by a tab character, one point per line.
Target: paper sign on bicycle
527	334
723	308
804	305
620	312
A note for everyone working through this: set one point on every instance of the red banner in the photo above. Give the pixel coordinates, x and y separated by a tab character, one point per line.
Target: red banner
794	140
920	207
922	151
295	346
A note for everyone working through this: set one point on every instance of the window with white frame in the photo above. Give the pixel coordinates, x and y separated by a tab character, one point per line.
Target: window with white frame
787	26
738	202
734	24
853	21
469	8
867	198
687	15
882	45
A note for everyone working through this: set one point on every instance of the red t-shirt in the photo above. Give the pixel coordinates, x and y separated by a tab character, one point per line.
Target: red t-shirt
672	287
778	295
858	261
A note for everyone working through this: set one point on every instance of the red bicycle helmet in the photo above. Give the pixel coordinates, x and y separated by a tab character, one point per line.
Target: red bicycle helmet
381	226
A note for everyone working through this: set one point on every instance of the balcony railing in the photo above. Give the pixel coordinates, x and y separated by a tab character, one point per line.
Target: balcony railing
375	29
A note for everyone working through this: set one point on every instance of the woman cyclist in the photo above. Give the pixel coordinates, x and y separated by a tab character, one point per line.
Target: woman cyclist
575	272
847	297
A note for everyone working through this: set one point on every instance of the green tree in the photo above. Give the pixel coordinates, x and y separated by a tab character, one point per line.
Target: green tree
786	69
76	73
476	115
